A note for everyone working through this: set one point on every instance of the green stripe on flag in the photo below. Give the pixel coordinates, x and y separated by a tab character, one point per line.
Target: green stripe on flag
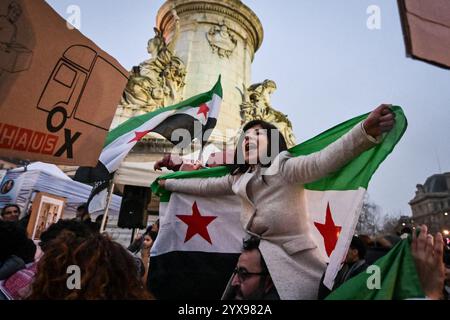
355	174
136	122
399	279
203	173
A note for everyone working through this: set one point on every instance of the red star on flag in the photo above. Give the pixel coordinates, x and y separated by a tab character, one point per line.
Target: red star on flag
139	135
329	231
203	109
197	224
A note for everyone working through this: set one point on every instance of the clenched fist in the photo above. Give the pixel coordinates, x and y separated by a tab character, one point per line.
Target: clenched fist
379	121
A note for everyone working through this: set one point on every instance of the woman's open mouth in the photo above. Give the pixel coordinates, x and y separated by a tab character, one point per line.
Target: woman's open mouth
250	146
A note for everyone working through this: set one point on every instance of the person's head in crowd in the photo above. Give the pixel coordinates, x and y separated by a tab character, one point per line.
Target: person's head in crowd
356	251
148	241
153	230
259	144
99	220
386	242
251	279
405	230
83	213
11	212
79	229
14	241
107	270
366	239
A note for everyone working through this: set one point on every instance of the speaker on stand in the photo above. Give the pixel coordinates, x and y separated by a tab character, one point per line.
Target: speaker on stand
133	210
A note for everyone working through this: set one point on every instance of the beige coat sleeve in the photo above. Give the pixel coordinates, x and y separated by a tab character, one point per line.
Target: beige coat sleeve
304	169
202	186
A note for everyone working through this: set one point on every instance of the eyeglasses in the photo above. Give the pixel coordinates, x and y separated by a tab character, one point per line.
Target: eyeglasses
244	274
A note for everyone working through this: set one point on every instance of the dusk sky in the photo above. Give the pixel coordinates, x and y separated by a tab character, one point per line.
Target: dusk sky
328	66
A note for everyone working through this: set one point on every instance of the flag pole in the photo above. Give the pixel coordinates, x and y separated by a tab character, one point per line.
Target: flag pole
108	203
200	152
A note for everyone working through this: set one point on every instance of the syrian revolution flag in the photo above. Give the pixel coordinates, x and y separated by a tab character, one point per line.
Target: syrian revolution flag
198	244
196	117
334	204
392	277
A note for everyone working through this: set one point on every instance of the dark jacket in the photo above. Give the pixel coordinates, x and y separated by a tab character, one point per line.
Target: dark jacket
10	266
347	272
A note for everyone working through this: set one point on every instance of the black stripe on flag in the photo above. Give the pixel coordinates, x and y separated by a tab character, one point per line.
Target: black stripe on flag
91	175
190	275
187	122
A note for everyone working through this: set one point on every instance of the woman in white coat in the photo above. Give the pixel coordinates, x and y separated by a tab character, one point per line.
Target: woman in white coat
270	182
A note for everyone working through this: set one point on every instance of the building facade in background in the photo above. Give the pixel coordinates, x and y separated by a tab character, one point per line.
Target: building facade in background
431	204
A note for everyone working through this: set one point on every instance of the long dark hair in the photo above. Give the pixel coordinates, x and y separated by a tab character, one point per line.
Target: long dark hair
236	167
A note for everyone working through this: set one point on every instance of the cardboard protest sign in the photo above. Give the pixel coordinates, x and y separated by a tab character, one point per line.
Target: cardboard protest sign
47	209
426	29
58	90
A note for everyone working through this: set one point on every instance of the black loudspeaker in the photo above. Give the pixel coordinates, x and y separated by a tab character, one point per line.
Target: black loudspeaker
133	210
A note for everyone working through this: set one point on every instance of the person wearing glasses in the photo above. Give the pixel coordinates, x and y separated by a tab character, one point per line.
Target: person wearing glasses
251	279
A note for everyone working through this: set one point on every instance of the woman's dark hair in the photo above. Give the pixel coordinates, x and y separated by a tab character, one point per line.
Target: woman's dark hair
237	167
358	244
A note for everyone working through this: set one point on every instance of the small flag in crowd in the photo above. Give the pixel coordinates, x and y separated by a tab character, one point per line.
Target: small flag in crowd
197	116
334	204
202	109
392	277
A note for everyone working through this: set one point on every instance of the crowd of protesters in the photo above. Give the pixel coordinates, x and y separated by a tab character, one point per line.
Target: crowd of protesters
74	260
41	270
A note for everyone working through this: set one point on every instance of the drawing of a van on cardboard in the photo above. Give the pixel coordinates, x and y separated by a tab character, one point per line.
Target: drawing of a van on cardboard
79	83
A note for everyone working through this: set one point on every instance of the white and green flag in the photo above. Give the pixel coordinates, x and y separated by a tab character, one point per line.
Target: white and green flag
196	117
334	203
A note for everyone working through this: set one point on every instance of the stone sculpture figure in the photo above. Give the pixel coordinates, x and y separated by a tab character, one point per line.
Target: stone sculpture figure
256	105
156	82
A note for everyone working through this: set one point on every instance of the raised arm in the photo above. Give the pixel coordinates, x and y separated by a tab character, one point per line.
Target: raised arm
304	169
200	186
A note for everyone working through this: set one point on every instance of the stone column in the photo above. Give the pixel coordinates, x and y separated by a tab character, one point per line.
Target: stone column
215	37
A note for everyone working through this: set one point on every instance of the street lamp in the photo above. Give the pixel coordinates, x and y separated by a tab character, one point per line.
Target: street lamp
445	213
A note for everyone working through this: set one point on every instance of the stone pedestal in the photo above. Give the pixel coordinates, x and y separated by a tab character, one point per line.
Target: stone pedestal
215	37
